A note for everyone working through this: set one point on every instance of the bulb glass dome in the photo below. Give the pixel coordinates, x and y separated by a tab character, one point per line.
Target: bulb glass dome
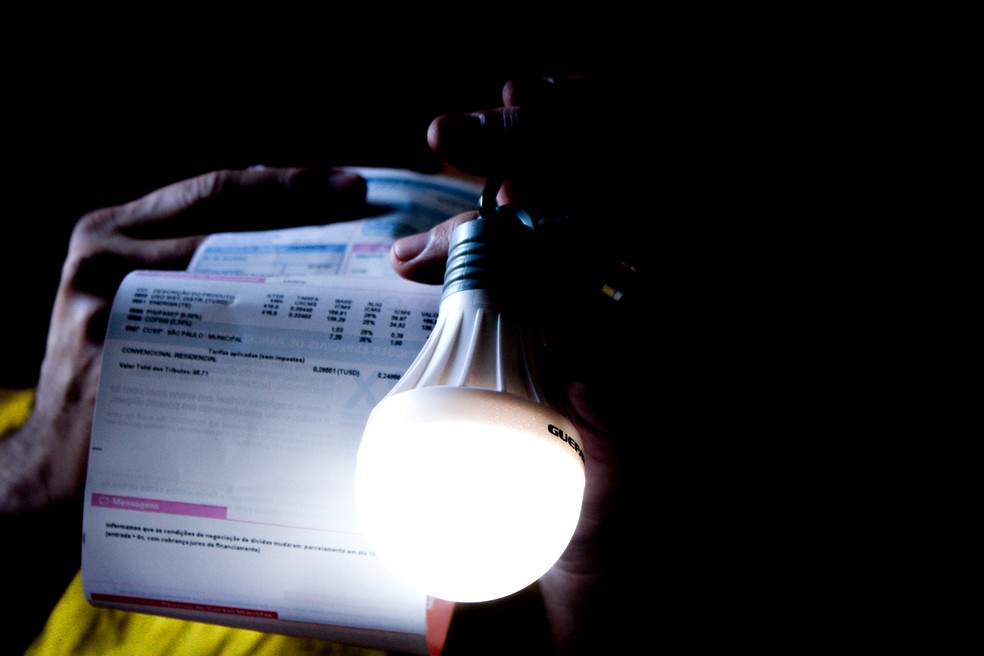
468	494
468	484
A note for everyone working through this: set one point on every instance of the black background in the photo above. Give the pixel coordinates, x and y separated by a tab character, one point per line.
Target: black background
95	118
109	121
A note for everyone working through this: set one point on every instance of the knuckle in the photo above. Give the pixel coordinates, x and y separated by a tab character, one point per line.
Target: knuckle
95	223
209	184
92	232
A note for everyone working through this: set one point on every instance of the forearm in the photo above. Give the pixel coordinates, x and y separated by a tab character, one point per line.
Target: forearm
30	526
44	462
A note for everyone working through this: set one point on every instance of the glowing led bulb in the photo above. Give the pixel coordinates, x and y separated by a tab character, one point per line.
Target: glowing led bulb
468	485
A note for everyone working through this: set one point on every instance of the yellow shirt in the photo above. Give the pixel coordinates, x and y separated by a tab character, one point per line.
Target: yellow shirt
78	628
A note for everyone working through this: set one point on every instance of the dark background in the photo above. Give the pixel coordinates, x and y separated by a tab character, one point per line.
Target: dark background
111	121
95	119
117	114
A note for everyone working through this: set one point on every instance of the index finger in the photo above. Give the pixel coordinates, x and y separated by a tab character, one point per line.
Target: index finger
542	120
229	200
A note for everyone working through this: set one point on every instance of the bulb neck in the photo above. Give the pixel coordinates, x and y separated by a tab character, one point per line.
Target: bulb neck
490	254
477	344
482	338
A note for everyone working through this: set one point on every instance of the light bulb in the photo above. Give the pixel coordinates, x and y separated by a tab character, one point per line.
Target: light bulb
468	484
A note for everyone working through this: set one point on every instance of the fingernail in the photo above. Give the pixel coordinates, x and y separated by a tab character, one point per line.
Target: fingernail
407	248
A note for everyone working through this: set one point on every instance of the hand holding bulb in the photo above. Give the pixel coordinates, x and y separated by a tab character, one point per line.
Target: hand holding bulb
469	482
588	336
